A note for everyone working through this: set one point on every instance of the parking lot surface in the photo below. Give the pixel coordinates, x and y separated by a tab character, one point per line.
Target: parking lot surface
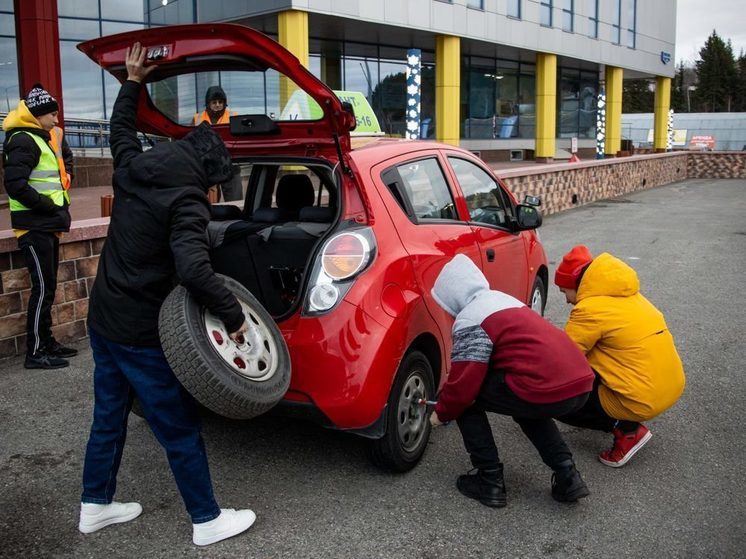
316	495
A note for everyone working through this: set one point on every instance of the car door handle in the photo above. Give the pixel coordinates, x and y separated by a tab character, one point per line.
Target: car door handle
490	255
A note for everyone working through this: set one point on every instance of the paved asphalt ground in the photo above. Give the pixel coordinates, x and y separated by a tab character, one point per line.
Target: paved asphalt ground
315	494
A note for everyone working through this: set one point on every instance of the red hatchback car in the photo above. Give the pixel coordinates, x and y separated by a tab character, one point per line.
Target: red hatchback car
336	246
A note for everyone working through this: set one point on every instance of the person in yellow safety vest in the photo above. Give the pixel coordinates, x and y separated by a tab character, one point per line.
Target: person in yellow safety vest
38	171
216	112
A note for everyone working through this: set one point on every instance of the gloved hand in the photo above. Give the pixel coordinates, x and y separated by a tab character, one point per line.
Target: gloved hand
435	420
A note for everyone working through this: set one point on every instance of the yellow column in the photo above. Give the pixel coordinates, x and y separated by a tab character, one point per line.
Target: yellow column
546	106
447	89
292	31
662	106
614	79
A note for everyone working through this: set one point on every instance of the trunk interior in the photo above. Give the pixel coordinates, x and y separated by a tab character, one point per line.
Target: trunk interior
267	239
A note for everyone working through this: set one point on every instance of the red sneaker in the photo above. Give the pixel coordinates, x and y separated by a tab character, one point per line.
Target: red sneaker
625	446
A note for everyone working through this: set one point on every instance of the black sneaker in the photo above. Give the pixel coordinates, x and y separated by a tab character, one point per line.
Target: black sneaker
58	350
568	486
44	360
486	486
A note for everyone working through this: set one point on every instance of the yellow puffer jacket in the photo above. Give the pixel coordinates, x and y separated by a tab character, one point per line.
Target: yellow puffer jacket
626	341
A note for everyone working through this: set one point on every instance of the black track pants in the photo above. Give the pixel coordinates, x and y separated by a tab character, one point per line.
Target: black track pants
42	253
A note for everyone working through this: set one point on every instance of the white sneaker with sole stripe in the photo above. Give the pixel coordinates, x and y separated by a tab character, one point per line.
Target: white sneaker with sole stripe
94	516
231	522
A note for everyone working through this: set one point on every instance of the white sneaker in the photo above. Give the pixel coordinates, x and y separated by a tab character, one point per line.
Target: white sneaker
94	516
228	524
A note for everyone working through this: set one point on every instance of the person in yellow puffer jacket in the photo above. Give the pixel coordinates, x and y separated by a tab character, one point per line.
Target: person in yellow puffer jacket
38	171
639	374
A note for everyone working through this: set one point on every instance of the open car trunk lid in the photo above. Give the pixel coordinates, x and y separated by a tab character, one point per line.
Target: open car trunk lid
237	56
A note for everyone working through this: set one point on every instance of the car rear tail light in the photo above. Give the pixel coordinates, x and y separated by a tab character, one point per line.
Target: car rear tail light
344	257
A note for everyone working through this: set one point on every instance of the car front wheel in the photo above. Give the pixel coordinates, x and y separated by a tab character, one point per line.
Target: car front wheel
538	300
407	421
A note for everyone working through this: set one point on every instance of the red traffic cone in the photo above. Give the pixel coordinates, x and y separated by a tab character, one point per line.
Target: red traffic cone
574	158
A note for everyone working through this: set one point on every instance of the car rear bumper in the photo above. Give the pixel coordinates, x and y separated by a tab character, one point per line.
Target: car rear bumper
343	364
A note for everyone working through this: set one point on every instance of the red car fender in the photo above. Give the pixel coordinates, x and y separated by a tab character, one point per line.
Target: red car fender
345	362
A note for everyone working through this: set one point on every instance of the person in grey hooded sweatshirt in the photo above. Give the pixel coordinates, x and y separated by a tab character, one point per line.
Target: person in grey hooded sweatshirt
507	359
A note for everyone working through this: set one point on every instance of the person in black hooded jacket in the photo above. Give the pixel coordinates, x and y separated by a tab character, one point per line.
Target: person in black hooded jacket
157	234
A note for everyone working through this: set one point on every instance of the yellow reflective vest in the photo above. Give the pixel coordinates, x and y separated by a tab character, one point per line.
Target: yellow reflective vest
48	178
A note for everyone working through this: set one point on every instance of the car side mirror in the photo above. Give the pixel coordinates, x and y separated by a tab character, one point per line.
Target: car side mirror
527	217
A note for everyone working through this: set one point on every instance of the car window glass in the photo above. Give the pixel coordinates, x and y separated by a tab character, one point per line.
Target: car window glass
482	193
424	185
183	98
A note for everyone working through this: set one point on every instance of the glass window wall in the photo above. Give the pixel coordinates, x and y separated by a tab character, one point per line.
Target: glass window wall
514	8
545	13
616	26
9	93
631	23
499	98
593	19
577	94
568	15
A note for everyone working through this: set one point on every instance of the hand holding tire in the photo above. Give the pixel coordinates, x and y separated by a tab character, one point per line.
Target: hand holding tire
238	335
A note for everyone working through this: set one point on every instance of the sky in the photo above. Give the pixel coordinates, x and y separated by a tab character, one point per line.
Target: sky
697	18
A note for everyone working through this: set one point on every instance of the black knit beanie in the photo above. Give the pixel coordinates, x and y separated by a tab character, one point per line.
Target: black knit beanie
40	102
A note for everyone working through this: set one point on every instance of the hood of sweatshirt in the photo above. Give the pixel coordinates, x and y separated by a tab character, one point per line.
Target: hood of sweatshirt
20	117
458	284
200	159
608	276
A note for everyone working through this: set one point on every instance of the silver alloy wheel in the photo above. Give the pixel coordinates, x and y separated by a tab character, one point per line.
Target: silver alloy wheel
411	417
255	358
537	300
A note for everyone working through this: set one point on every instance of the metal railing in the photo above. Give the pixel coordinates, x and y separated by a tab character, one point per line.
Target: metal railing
90	137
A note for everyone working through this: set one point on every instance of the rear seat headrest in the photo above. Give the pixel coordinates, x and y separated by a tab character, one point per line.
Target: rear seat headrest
225	212
294	192
269	215
316	215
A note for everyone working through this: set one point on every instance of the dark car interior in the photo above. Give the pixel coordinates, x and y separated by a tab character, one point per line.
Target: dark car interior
267	243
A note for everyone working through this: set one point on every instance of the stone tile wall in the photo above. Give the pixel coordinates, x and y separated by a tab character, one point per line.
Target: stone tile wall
561	186
719	165
79	253
566	186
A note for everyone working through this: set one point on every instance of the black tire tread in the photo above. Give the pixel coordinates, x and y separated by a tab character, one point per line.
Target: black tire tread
196	364
384	452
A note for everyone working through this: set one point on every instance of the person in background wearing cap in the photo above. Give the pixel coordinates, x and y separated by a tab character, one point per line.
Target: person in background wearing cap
507	359
38	172
216	112
157	234
627	343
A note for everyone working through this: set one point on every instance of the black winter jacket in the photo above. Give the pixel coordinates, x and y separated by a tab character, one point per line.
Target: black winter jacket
20	157
157	235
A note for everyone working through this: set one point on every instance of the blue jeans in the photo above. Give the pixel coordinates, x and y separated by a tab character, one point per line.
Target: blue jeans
123	372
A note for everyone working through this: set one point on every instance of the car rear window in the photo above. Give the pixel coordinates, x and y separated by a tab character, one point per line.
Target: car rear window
421	189
182	98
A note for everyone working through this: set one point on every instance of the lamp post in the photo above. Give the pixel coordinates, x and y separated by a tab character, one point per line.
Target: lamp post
688	100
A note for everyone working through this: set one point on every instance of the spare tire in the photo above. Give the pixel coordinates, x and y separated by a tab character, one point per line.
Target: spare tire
239	381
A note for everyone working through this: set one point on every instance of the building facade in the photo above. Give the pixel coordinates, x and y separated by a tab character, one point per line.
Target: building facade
497	74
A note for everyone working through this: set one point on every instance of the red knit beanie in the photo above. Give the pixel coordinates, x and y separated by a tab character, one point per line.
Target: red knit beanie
568	272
